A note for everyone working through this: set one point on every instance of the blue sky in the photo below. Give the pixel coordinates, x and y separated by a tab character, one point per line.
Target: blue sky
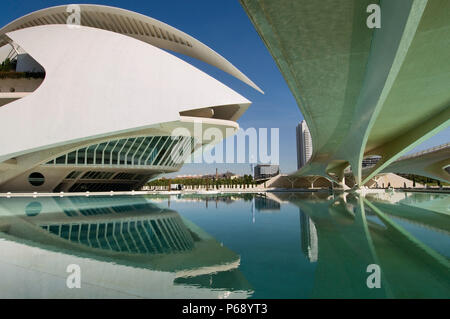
224	26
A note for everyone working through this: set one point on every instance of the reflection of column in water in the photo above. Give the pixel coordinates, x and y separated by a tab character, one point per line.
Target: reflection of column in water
253	210
309	240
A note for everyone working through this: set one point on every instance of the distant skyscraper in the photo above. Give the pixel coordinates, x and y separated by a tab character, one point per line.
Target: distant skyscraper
304	144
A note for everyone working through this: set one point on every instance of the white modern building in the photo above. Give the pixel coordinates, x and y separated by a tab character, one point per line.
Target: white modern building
304	144
101	104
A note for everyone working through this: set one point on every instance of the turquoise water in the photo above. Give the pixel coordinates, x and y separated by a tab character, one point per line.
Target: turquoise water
273	245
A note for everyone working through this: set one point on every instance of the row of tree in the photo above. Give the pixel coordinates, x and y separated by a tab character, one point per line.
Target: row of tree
424	180
208	182
8	65
8	71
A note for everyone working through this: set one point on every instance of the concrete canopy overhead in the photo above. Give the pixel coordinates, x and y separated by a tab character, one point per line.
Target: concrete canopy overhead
362	91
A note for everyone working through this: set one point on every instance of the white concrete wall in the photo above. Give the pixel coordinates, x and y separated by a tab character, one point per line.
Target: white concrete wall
394	180
20	85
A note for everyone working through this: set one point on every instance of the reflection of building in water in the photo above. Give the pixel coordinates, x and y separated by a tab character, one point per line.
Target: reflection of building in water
263	203
126	245
163	233
226	198
310	245
358	232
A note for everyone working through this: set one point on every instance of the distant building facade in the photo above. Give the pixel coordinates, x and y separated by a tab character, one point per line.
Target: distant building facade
230	175
266	171
226	175
370	161
304	144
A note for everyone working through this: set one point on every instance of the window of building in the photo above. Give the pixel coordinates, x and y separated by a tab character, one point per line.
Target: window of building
36	179
73	175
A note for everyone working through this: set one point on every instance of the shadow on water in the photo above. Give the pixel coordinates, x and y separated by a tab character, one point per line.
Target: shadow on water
133	246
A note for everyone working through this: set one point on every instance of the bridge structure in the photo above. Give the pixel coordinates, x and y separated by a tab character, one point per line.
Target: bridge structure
433	162
363	91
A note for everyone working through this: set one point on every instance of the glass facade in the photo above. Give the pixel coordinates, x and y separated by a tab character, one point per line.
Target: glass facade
143	236
134	151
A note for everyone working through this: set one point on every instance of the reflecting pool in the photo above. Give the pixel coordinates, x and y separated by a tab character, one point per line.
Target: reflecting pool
267	245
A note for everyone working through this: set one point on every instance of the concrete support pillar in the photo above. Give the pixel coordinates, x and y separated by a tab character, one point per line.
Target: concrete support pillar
341	180
292	180
312	180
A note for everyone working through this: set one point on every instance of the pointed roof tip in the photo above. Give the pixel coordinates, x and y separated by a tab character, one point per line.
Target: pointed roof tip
258	89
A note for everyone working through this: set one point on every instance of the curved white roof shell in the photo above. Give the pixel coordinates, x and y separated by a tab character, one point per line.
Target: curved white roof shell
100	83
132	24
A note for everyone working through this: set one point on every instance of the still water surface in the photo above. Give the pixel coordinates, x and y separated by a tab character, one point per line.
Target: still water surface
274	245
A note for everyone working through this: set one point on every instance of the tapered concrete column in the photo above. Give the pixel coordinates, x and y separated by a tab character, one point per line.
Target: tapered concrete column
292	179
341	180
312	180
